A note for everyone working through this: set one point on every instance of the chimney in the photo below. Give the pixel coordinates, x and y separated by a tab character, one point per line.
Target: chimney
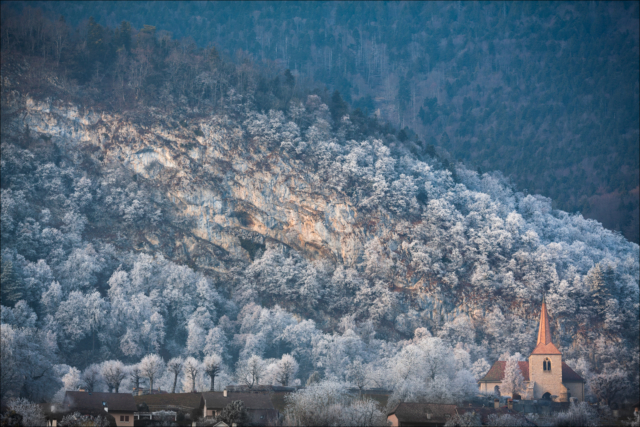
224	393
496	403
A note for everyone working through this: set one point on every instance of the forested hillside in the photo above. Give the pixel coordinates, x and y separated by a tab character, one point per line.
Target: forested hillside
158	199
546	92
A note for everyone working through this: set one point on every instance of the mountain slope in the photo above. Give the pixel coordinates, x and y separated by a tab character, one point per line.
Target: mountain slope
547	93
207	227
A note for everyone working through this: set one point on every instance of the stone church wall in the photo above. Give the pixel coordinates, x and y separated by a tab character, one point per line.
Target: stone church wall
546	381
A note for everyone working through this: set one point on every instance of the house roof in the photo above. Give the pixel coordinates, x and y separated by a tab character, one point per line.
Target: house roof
158	402
81	400
216	400
569	375
417	412
544	344
496	373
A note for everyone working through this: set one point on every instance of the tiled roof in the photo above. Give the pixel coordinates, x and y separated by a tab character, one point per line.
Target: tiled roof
157	402
546	349
569	375
496	373
79	400
417	412
216	400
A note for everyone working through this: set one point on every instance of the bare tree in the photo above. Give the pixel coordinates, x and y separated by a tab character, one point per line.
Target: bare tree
60	36
175	367
113	372
212	367
191	368
151	366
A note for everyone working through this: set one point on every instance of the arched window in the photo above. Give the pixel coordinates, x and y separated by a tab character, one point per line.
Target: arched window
546	364
496	391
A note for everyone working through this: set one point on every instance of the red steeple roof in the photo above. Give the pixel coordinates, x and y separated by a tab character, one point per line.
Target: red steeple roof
544	344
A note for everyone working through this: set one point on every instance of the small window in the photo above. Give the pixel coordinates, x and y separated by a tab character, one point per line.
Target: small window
121	417
546	365
126	418
104	403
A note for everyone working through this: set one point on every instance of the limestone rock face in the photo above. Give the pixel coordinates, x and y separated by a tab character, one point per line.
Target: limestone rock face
221	184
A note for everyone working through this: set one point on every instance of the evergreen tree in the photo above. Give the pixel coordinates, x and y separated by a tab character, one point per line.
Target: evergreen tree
10	285
123	36
338	107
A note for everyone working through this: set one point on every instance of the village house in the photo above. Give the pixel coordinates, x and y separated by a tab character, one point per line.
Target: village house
185	405
546	376
259	405
120	406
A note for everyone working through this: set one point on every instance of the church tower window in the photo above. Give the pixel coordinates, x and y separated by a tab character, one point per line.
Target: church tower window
546	364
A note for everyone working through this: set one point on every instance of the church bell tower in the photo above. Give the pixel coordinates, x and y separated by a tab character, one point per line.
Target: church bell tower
545	364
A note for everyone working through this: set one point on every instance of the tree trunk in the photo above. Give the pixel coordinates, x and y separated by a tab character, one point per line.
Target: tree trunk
175	380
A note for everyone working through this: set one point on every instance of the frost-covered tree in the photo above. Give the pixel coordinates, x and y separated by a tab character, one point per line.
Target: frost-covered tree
175	367
78	420
27	356
578	414
30	412
234	413
151	367
466	419
212	364
609	387
191	368
480	368
113	372
135	373
508	420
327	403
513	380
250	371
287	368
92	377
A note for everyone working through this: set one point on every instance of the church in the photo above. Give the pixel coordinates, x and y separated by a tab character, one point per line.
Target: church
546	376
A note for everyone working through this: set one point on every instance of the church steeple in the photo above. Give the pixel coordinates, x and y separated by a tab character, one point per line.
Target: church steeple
544	344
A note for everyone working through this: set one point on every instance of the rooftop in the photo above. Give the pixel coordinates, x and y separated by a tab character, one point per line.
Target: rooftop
496	373
81	400
170	400
216	400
